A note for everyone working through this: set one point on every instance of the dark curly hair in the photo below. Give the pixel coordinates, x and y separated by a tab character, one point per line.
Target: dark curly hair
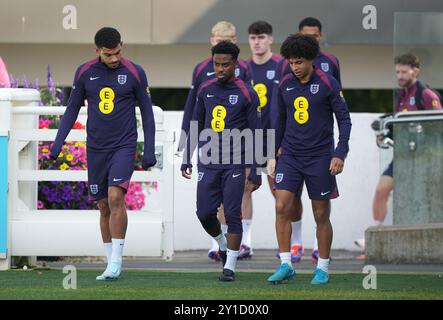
226	47
107	37
300	46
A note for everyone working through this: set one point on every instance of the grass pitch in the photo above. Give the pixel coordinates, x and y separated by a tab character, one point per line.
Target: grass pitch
163	285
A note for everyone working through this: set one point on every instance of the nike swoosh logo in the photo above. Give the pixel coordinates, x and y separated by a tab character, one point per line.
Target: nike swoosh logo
210	73
289	89
93	78
116	180
210	95
324	193
236	175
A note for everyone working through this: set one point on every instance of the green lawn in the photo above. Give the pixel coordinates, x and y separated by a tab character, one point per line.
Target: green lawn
47	284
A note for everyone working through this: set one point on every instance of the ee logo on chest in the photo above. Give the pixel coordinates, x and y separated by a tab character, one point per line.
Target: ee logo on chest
262	91
301	106
107	97
218	118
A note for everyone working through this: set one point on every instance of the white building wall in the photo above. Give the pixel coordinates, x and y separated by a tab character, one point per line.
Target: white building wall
351	212
171	66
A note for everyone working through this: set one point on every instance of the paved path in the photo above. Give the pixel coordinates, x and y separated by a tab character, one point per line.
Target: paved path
262	261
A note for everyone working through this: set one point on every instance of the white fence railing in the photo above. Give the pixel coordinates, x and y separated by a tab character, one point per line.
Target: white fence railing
27	231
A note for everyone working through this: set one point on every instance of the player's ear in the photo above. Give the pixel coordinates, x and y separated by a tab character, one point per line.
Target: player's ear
416	72
212	41
234	39
121	43
271	39
97	51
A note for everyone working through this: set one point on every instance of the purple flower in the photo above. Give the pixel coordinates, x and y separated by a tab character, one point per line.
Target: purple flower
51	86
14	82
66	196
66	189
45	190
51	197
25	82
62	97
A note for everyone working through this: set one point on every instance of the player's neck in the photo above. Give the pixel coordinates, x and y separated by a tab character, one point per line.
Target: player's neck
262	59
228	81
411	85
307	77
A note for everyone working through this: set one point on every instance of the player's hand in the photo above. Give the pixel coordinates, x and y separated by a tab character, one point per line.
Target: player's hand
379	139
179	153
148	162
271	167
54	152
254	179
336	166
186	170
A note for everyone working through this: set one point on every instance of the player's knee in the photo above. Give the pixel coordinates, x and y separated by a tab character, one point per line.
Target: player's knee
281	208
234	225
207	222
103	206
382	190
321	216
116	200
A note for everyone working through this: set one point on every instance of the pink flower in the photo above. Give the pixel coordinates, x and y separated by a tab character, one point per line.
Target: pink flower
39	204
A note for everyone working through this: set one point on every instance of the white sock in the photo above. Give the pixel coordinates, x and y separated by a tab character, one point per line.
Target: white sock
117	250
231	260
108	250
221	241
214	245
285	257
315	245
296	232
378	223
247	232
224	228
323	264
